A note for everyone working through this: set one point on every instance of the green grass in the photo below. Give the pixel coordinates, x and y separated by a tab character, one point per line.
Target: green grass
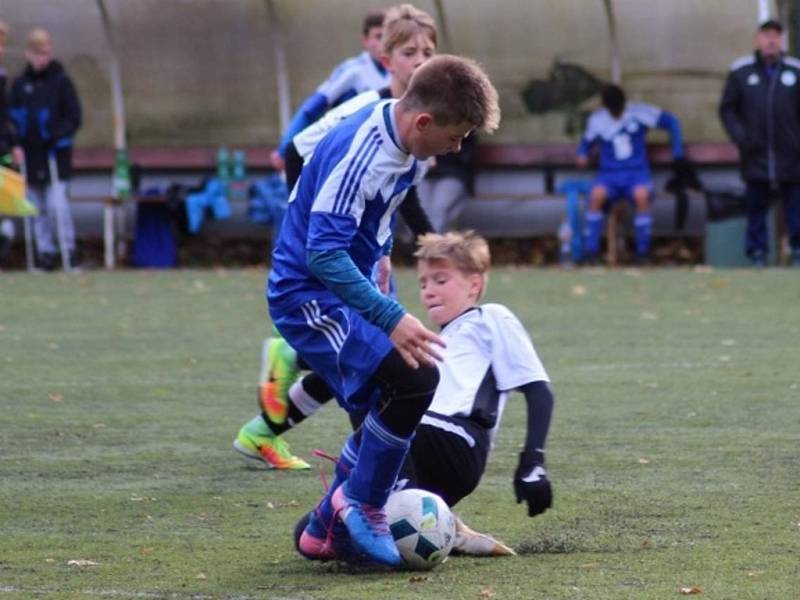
674	450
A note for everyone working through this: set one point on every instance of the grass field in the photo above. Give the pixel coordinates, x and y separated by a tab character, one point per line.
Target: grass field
674	451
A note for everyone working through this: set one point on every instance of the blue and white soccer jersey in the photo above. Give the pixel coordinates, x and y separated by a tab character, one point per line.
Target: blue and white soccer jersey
345	200
352	77
355	75
623	150
488	354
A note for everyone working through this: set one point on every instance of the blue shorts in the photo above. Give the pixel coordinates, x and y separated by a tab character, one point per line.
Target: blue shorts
338	344
619	185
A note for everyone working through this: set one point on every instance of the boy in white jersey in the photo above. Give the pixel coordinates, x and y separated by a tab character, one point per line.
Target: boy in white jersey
488	355
377	359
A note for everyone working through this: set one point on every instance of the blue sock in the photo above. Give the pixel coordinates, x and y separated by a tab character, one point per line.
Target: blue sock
643	225
593	230
347	460
379	460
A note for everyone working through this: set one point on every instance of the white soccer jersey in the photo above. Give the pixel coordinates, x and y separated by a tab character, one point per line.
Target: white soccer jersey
488	354
307	140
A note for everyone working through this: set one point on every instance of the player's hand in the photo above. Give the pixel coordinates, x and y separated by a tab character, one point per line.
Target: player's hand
384	274
277	161
531	483
582	162
415	343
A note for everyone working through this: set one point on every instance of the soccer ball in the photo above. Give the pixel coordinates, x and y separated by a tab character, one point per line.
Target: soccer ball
423	528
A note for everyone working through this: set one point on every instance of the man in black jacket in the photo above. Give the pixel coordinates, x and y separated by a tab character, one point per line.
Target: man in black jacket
46	112
760	110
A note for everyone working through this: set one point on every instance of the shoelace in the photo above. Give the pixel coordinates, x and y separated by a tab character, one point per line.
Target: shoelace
376	517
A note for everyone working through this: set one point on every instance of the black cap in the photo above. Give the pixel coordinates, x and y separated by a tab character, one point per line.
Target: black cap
771	24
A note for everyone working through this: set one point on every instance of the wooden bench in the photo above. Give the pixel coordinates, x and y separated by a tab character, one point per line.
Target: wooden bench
548	159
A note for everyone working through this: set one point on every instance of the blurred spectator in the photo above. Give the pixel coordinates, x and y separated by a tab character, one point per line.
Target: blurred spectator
46	112
353	76
760	110
620	130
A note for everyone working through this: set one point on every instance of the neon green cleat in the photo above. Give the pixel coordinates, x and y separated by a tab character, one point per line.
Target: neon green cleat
256	441
279	371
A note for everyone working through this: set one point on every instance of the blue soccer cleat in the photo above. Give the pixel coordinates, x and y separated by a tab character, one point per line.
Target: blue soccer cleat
368	528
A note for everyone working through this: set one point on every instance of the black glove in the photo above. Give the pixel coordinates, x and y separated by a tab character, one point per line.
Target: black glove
531	483
685	175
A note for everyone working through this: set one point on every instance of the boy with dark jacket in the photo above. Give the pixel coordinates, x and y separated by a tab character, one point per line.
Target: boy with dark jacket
46	112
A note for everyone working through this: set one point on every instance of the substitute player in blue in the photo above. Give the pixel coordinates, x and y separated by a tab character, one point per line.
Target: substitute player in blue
373	355
620	129
357	74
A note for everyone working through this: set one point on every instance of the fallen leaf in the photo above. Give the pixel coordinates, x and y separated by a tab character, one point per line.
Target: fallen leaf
270	505
56	397
201	576
691	591
417	578
83	562
645	544
644	461
720	283
147	551
487	593
578	290
50	560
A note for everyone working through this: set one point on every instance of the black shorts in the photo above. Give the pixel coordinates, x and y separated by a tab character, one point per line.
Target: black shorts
449	459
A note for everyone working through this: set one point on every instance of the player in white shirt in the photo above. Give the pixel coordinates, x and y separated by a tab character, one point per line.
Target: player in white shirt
488	355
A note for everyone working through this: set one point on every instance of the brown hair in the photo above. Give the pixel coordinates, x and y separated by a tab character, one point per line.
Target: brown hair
453	90
404	22
374	18
3	32
468	251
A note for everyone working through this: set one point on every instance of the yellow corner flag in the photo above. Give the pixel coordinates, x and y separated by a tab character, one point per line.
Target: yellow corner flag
13	202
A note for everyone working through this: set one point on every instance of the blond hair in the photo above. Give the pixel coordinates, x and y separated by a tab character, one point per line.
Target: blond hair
404	22
453	90
39	40
466	250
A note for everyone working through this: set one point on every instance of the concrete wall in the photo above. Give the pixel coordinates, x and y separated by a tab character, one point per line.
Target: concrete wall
201	72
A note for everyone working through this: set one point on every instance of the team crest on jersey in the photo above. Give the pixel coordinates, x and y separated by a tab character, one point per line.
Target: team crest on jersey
788	78
752	79
632	127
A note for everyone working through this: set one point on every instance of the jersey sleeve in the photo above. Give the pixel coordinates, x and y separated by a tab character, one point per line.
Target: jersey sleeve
514	359
339	83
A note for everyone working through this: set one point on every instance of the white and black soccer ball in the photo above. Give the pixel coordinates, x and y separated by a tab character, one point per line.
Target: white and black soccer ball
423	527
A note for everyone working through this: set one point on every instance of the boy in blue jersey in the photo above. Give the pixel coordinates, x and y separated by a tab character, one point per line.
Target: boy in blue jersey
375	357
351	77
620	130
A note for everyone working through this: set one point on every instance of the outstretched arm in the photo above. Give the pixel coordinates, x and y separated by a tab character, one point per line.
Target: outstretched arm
530	479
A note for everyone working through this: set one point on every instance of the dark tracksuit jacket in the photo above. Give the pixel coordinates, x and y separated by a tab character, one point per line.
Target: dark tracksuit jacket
46	113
